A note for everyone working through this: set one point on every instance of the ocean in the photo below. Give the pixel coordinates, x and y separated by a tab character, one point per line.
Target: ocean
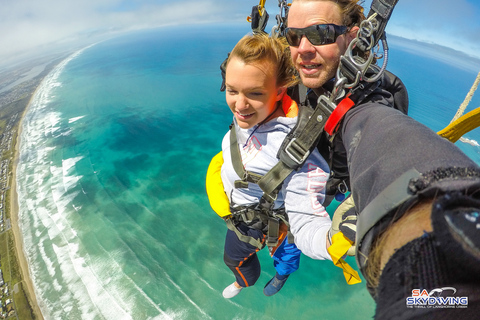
111	181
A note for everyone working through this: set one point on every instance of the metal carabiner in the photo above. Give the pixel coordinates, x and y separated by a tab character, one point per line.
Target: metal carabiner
279	28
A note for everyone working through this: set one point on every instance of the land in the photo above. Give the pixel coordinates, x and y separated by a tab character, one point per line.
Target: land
17	87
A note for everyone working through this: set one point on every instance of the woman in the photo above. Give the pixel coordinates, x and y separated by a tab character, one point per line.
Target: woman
258	73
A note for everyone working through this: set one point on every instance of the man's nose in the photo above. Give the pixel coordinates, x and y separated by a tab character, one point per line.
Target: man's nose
305	45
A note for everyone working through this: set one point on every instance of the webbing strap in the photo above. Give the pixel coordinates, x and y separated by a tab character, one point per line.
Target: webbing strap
337	115
273	231
250	240
305	136
270	183
383	9
237	163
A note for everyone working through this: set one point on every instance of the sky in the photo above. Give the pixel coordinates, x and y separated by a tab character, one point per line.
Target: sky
29	27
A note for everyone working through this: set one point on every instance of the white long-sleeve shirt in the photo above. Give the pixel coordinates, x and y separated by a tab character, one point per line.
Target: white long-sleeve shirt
302	193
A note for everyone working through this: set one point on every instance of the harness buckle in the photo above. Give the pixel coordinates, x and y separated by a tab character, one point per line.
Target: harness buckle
245	218
295	152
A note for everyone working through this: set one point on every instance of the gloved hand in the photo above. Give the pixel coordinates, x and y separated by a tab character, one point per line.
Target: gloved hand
345	220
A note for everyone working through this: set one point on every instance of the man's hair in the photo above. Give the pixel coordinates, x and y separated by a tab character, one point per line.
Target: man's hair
258	48
352	11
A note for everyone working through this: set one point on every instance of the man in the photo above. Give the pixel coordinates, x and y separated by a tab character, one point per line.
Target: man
418	196
317	65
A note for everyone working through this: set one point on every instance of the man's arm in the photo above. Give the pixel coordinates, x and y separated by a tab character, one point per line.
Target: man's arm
406	183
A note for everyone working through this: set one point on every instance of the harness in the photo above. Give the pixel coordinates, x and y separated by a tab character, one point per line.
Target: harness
261	216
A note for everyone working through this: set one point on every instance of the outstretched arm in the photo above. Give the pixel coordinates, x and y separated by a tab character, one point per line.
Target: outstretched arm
413	190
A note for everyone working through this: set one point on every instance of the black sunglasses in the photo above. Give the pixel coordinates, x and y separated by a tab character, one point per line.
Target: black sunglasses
318	34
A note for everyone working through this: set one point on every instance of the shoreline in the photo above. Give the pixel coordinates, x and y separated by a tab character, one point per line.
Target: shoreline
16	102
14	212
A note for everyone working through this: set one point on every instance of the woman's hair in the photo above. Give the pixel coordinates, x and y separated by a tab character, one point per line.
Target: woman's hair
352	11
259	48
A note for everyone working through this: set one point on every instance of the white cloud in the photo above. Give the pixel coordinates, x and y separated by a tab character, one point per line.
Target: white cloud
27	26
36	26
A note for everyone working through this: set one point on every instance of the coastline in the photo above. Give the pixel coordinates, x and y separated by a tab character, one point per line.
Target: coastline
14	104
14	211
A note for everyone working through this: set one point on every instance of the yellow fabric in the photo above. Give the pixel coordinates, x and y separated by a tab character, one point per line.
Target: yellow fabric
339	247
216	194
462	125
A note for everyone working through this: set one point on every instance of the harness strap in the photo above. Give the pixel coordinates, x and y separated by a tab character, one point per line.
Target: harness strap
337	115
270	184
305	136
250	240
273	231
246	176
383	9
261	220
272	181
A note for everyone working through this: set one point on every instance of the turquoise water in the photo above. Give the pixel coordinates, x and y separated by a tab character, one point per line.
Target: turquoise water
112	199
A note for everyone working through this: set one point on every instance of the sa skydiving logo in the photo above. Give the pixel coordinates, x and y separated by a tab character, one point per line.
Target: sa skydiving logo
437	298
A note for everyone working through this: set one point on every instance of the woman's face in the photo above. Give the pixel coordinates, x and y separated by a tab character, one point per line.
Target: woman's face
251	91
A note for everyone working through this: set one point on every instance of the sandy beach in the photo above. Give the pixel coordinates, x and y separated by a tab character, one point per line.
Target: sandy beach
17	94
27	281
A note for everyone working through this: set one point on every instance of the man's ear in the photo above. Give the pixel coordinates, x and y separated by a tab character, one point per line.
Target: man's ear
280	92
352	33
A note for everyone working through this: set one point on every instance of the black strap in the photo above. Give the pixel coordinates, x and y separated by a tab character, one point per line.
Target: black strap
273	232
300	142
383	9
259	21
245	176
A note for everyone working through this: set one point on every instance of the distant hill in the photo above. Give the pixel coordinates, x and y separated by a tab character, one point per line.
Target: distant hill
438	52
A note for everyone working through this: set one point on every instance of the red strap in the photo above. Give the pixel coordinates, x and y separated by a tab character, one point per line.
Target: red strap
331	126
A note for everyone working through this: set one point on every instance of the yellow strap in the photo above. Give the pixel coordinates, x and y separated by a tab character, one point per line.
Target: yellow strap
339	247
216	194
262	3
462	125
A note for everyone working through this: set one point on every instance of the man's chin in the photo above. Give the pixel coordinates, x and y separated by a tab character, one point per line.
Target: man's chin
313	81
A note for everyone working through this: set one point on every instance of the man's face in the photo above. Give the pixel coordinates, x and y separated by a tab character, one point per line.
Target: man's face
316	64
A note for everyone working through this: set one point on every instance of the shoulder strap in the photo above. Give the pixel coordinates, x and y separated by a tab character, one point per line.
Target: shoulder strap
245	176
300	142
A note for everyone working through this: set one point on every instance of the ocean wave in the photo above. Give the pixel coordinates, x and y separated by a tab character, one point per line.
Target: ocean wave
71	120
60	250
46	193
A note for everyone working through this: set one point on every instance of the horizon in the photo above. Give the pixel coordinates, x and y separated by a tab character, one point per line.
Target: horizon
30	29
429	49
